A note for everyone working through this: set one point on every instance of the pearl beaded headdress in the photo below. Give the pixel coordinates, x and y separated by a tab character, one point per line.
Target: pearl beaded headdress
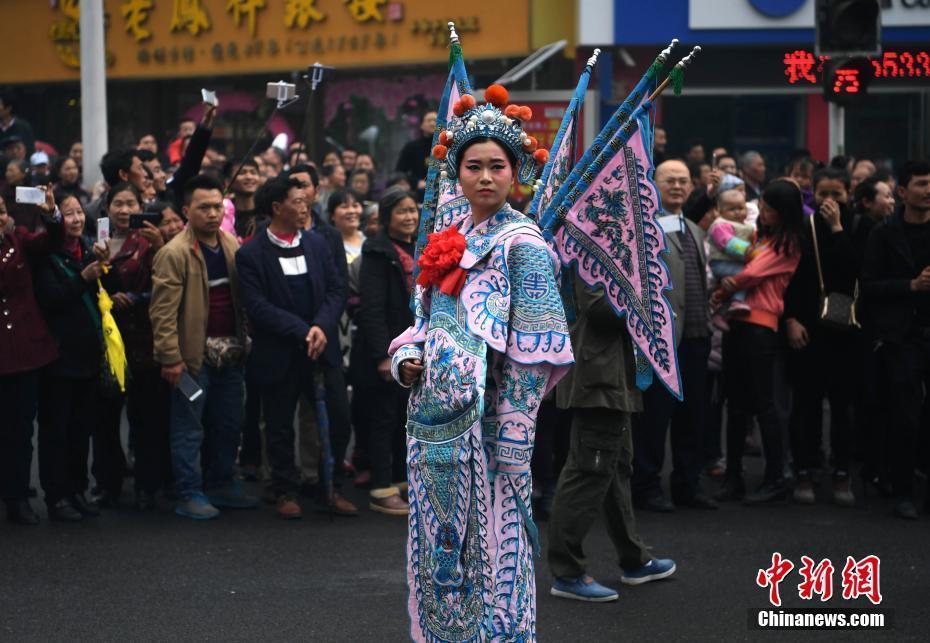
497	121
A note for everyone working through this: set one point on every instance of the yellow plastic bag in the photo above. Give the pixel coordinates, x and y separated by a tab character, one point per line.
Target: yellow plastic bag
115	351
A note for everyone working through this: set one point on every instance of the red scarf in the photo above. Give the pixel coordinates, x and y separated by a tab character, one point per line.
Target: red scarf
406	263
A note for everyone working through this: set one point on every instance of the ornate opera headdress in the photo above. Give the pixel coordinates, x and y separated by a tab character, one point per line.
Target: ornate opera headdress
497	121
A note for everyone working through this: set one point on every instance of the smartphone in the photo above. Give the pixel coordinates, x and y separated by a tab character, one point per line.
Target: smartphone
138	220
103	230
34	196
189	387
209	97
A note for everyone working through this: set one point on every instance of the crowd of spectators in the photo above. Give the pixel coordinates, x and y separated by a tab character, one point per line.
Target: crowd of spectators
256	299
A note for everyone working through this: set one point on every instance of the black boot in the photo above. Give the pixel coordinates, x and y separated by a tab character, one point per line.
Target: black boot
21	513
62	511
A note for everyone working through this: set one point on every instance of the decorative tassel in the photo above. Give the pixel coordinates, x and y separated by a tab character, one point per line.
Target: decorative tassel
677	79
655	68
455	52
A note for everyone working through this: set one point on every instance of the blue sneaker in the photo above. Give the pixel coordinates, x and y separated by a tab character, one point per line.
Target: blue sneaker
196	506
655	569
232	496
583	588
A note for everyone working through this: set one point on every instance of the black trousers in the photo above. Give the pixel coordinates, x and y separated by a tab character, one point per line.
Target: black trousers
148	408
687	423
908	368
749	374
279	403
387	442
337	409
18	393
827	367
251	451
67	416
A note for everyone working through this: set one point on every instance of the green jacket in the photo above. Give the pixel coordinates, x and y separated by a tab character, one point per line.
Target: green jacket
604	374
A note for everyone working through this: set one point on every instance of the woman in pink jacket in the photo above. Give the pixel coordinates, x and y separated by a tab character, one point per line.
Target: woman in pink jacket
749	348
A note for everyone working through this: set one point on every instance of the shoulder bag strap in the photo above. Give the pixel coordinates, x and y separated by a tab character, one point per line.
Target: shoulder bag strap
823	291
92	310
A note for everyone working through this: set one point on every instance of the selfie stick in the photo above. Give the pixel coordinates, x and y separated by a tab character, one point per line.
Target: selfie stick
282	101
314	76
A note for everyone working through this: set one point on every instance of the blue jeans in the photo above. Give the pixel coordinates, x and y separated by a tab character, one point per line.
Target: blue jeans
722	268
212	422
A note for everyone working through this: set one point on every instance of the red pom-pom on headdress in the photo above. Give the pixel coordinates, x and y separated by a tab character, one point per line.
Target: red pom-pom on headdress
541	156
531	143
468	101
512	111
445	138
458	109
526	113
440	152
497	95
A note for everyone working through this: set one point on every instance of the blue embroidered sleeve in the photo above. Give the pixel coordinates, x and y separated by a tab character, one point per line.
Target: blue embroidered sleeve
538	331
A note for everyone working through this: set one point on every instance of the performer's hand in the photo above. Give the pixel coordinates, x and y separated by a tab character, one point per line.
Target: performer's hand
384	369
316	342
410	370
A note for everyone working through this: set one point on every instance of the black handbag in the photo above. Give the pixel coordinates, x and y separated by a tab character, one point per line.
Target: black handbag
837	310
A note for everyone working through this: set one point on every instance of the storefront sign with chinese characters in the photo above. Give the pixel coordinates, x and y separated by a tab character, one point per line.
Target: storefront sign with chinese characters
164	38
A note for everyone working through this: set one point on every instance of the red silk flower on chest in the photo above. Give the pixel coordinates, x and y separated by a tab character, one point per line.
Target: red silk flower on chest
439	263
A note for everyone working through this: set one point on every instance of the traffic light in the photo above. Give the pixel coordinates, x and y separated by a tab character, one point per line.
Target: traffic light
846	79
847	28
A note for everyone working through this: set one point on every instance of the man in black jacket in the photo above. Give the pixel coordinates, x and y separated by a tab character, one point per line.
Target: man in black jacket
896	282
293	296
334	381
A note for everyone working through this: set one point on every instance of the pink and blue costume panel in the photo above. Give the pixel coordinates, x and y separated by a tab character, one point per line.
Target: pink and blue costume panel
489	357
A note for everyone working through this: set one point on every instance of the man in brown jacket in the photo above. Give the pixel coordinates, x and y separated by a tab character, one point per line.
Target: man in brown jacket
197	325
601	392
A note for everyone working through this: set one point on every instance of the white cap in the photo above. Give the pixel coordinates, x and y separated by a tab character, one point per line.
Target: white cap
39	158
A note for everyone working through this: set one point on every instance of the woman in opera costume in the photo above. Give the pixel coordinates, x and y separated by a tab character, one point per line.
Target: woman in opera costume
489	340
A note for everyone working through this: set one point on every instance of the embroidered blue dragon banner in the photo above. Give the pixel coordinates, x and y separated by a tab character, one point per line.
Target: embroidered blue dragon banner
608	227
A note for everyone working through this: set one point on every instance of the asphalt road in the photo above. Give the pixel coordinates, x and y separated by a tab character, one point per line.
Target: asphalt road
247	576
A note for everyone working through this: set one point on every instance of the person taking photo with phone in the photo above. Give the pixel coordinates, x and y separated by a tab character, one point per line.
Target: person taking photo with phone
66	290
129	253
25	347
